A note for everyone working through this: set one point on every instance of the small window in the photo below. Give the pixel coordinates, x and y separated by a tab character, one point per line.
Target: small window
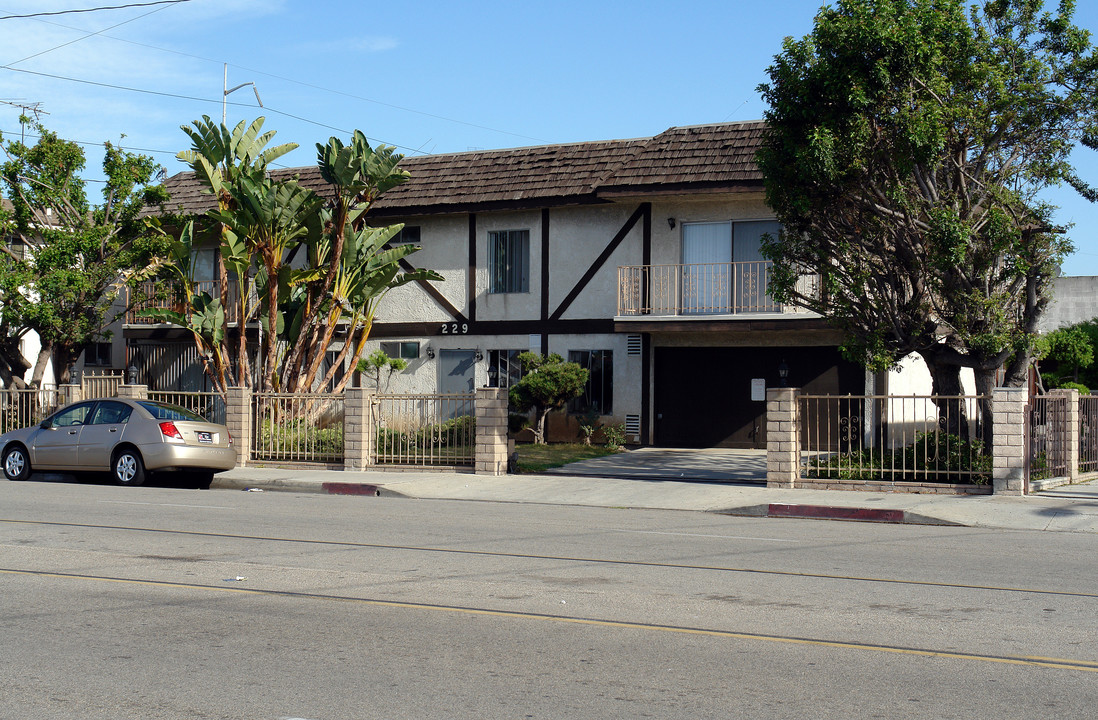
403	350
408	235
509	261
504	368
98	354
598	396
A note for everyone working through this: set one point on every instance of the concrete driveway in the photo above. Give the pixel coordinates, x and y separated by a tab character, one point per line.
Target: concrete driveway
708	464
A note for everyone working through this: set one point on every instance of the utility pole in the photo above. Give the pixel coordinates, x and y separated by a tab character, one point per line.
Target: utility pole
225	90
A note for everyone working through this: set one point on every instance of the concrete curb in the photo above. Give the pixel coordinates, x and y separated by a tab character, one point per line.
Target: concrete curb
304	486
832	512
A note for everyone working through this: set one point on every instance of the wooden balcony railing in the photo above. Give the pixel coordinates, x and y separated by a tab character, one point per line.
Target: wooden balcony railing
174	301
703	289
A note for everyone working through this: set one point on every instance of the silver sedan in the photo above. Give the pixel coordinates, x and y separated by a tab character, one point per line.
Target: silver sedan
126	437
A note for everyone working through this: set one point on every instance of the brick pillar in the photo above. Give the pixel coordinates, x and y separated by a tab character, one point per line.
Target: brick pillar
70	394
491	443
238	418
359	428
134	392
783	462
1067	423
1008	441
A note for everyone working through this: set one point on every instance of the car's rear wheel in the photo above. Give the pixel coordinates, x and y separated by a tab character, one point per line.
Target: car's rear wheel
128	468
16	463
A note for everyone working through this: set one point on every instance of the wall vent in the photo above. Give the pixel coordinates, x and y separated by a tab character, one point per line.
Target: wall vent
633	344
633	426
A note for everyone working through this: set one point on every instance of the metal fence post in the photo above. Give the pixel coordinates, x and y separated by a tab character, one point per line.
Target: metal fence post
1008	442
491	433
238	418
782	443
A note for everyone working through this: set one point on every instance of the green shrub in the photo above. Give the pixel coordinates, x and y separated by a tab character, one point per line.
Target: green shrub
933	457
615	436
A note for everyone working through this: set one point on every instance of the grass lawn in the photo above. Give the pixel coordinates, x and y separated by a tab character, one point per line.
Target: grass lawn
536	458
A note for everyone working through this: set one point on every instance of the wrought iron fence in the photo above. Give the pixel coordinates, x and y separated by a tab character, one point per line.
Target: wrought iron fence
103	383
1088	433
298	427
23	408
893	438
429	430
209	405
1048	437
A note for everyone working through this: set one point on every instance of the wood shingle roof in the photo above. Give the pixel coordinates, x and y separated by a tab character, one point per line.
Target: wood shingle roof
704	157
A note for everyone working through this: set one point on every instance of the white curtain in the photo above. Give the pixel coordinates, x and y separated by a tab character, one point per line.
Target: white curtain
750	275
706	254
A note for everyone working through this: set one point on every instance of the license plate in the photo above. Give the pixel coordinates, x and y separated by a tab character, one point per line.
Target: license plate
205	437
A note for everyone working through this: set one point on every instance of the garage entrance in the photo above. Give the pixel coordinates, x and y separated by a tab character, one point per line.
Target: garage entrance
703	394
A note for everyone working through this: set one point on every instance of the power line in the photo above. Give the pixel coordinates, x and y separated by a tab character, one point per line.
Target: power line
88	35
309	85
94	9
177	96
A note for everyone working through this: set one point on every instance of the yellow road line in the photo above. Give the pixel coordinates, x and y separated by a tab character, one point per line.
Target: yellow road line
1045	662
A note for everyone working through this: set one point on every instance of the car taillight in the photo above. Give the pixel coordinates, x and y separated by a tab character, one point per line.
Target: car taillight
169	430
230	439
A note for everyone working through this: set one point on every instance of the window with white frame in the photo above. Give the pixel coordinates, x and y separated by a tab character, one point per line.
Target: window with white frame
598	395
403	350
509	261
504	368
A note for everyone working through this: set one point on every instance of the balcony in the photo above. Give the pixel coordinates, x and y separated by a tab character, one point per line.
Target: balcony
175	302
737	288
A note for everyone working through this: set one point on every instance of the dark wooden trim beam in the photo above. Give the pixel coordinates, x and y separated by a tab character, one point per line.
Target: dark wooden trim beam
545	263
493	327
435	293
601	259
646	387
646	255
471	274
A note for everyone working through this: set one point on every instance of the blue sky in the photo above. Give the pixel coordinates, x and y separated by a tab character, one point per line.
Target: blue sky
425	76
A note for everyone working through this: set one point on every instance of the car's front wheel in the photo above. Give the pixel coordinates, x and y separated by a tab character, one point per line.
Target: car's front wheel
16	463
128	468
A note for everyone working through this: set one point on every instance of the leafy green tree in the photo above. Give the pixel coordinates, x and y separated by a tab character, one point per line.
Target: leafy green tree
907	143
547	384
66	261
378	361
1067	355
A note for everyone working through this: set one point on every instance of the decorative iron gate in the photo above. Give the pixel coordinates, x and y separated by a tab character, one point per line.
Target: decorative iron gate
1047	437
426	430
298	427
30	406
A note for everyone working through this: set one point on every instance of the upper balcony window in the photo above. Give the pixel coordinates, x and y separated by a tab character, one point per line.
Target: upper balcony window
509	261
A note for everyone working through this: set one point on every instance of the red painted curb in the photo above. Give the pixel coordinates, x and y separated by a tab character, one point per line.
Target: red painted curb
336	488
824	512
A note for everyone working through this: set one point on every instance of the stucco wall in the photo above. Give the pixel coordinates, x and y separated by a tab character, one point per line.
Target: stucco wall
1074	300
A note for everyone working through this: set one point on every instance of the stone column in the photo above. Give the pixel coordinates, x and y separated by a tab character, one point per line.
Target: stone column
359	428
134	392
68	394
783	462
238	418
491	435
1008	440
1066	417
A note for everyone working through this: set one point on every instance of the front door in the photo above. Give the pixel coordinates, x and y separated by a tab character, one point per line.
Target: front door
457	371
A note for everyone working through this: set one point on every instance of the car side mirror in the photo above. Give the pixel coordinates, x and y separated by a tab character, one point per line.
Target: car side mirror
46	425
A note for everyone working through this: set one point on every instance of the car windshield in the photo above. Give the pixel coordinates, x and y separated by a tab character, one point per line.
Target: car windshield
164	411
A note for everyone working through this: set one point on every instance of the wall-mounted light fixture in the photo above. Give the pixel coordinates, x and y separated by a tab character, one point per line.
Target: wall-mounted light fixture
783	373
430	352
480	355
493	376
671	223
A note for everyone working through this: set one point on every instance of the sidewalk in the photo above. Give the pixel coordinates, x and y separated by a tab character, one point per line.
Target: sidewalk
1071	508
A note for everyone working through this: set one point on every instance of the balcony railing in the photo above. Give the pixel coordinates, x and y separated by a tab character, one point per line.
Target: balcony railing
703	289
174	301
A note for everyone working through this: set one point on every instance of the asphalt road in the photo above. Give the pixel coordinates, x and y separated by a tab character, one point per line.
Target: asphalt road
169	603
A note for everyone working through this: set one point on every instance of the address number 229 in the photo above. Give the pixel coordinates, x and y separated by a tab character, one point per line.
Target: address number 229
455	328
